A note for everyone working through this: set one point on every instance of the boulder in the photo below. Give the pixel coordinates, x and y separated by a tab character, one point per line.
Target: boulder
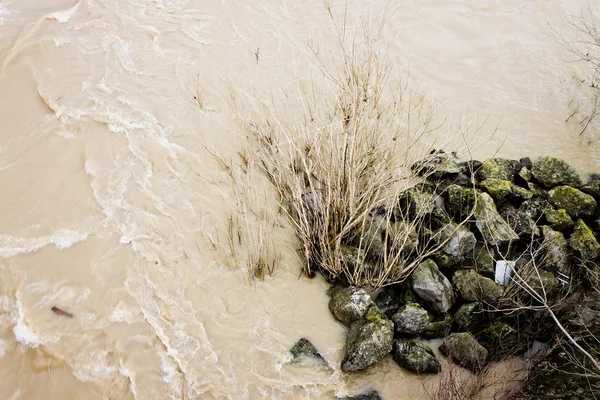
432	286
437	164
349	304
482	258
521	223
368	395
389	300
576	203
540	280
518	193
415	357
464	350
584	242
499	189
414	202
526	163
402	236
558	219
534	208
593	189
474	287
367	343
467	315
438	328
305	349
493	228
411	319
499	168
500	339
525	174
459	201
445	261
457	240
552	171
555	251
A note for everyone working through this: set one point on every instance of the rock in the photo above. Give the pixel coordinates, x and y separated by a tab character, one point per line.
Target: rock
499	189
438	328
470	167
554	248
593	189
493	228
467	315
464	350
537	190
520	194
558	219
540	280
459	201
482	258
415	357
462	180
437	164
349	304
368	395
500	339
411	319
520	222
576	203
432	286
414	202
552	171
389	300
584	242
458	239
534	208
474	287
367	343
402	236
304	348
499	168
445	261
526	163
525	174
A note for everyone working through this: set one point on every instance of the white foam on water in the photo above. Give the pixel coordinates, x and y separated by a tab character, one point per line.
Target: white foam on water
122	313
23	332
63	16
15	395
11	246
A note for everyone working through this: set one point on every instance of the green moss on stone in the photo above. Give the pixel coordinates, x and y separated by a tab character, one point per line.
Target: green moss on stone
576	203
553	171
584	242
558	219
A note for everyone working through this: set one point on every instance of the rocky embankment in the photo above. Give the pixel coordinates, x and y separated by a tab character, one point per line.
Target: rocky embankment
516	239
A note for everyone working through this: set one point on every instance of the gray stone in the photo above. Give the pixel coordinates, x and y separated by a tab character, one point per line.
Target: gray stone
558	219
368	395
552	171
437	164
464	350
593	189
576	203
534	208
411	319
493	228
389	300
367	343
467	314
415	357
520	222
474	287
433	287
584	242
482	258
304	348
555	249
349	304
460	201
457	240
499	168
438	328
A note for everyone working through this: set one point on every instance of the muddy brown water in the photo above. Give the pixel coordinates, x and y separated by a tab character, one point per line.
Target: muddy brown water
109	191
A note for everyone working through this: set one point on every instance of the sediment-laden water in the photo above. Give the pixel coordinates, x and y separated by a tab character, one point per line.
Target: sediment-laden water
111	114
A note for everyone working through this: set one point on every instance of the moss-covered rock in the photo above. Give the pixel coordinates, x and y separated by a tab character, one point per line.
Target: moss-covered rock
499	189
558	219
499	168
402	236
467	315
492	227
520	222
305	349
482	258
445	261
534	208
438	328
519	193
437	164
367	343
584	242
474	287
552	171
415	357
576	203
432	286
459	201
541	281
368	395
500	339
555	251
389	300
349	304
525	174
411	319
593	189
416	201
456	240
464	350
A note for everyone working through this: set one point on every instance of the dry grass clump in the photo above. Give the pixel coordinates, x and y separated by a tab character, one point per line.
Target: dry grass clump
341	159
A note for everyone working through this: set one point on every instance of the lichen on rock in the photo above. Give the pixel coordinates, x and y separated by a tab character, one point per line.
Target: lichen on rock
367	343
415	357
584	242
576	203
553	171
